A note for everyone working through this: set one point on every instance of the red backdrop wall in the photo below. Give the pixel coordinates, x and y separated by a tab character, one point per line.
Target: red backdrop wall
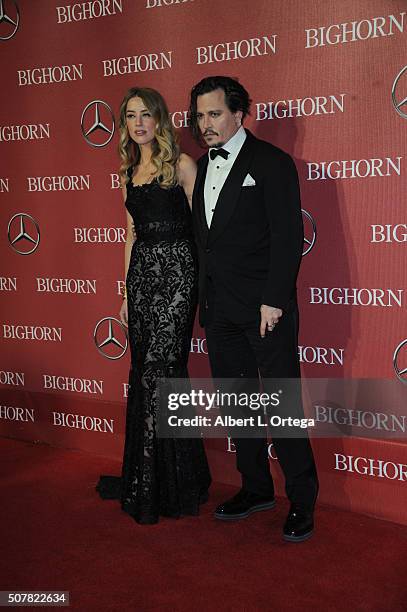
329	85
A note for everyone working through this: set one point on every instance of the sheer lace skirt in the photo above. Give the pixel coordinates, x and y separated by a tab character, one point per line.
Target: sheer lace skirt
167	477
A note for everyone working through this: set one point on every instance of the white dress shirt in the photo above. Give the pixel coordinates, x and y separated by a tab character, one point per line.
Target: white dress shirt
218	171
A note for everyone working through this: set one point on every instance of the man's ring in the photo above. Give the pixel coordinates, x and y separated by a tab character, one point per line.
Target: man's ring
271	325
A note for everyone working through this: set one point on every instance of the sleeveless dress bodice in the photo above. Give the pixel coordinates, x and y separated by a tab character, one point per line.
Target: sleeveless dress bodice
158	213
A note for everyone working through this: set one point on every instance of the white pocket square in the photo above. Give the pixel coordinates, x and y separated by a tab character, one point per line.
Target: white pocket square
249	181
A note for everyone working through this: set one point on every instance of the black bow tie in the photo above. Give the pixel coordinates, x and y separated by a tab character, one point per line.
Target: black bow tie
213	153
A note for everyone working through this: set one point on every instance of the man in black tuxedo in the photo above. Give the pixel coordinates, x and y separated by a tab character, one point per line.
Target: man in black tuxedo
248	226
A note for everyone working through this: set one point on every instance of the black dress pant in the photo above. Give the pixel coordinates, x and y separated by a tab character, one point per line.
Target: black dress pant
238	352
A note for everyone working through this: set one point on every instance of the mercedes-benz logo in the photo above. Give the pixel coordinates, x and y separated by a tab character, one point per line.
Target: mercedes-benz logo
23	233
401	372
110	338
10	17
97	123
310	231
401	104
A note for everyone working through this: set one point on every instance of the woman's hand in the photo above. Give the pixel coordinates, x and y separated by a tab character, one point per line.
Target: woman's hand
123	314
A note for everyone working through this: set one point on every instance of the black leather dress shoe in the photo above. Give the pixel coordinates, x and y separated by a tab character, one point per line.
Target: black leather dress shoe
242	505
299	525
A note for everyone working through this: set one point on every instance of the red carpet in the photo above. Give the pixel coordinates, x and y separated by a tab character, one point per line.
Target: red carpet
58	534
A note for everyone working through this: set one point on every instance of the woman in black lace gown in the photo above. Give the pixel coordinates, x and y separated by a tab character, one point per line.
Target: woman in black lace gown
167	477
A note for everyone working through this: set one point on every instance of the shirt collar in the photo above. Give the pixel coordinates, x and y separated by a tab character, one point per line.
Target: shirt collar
235	143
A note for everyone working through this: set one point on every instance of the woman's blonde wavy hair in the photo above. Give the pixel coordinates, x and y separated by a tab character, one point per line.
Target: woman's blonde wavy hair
165	149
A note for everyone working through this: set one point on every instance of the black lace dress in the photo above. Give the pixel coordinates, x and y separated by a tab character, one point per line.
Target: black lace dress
167	477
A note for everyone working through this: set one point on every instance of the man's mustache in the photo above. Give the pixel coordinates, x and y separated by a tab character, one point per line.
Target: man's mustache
210	133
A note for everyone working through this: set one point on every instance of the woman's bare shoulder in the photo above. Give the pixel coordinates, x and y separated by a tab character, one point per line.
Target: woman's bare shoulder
186	162
186	167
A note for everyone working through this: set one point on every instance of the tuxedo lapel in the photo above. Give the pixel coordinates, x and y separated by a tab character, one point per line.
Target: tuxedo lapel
230	192
199	200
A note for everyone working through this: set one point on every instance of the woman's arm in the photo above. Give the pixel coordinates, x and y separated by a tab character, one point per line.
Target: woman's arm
186	172
130	238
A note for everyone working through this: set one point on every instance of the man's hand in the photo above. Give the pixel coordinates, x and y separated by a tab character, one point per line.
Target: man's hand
269	318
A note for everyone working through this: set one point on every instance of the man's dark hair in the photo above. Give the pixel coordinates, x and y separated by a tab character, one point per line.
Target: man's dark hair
236	98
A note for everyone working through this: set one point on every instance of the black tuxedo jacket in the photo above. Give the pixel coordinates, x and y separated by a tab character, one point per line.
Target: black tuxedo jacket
253	248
